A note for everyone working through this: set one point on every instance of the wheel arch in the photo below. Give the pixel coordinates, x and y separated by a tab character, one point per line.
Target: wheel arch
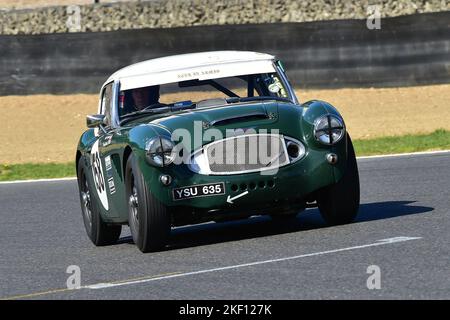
77	159
126	154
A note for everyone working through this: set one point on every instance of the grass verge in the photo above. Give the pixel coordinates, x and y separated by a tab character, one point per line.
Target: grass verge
30	171
437	140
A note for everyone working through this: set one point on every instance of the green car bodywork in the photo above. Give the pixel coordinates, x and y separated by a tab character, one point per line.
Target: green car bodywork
291	184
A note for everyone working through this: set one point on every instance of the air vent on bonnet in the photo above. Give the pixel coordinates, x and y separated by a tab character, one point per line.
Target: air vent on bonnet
242	118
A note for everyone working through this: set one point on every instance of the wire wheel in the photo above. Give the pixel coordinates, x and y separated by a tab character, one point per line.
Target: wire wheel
86	203
133	207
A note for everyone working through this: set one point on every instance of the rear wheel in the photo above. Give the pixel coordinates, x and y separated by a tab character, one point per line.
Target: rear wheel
148	218
98	231
339	203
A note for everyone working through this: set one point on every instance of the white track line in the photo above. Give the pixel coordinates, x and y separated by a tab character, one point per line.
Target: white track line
38	180
404	154
178	275
359	158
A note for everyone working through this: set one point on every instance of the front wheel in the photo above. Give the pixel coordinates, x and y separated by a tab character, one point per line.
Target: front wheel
98	231
339	203
148	218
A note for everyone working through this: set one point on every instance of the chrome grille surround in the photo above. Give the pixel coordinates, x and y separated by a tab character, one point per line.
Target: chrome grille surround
236	158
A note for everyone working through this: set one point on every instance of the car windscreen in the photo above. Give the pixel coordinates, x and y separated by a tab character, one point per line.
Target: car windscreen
201	92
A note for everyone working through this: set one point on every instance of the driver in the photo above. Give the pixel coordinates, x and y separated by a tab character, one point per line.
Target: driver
144	97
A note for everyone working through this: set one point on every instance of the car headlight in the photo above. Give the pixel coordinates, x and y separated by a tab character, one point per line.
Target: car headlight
329	129
159	151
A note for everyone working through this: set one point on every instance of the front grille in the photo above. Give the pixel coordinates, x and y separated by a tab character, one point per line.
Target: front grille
246	153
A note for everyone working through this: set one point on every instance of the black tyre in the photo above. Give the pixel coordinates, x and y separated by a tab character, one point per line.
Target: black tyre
339	203
148	218
100	233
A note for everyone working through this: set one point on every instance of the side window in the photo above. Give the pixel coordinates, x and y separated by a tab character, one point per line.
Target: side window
106	103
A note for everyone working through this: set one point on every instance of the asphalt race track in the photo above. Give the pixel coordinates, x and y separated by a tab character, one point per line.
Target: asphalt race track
41	234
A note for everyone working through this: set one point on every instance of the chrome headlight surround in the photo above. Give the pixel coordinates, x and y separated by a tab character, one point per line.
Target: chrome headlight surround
159	151
329	129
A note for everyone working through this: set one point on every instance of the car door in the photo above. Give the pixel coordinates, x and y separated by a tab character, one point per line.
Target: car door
101	161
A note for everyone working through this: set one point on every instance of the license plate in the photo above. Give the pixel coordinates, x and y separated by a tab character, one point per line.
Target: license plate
199	190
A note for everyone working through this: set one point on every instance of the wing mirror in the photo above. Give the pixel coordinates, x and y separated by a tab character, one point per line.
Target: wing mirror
96	121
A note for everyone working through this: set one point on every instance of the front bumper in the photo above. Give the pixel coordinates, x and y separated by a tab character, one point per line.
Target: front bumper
289	183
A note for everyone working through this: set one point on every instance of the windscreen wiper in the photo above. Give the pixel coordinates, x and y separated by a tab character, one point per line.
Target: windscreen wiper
143	112
258	98
149	110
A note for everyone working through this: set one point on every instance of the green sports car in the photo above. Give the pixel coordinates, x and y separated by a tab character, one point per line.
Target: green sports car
210	136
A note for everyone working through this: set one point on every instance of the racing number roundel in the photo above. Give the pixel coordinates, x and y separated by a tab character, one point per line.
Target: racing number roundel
99	182
97	174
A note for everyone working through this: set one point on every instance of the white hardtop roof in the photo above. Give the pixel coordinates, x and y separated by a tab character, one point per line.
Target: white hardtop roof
202	66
